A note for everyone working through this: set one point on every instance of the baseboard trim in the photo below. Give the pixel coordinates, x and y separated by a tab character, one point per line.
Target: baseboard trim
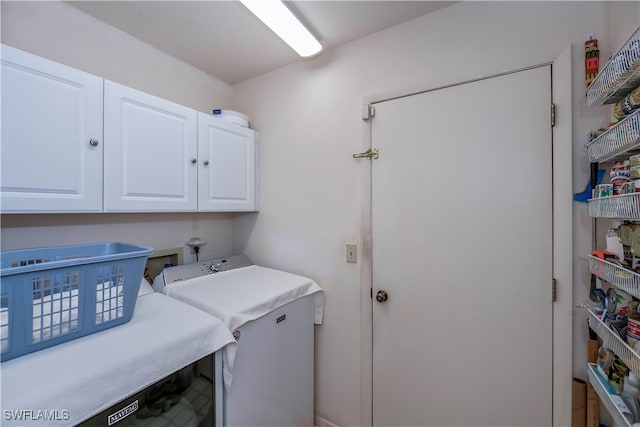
321	422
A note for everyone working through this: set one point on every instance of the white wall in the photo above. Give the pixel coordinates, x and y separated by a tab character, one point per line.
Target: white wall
62	33
624	19
308	115
59	32
158	231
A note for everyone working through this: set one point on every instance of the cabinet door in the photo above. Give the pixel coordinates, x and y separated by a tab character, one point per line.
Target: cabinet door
50	115
227	170
150	153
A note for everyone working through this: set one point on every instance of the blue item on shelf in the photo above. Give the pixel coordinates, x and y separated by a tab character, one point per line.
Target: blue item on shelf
586	194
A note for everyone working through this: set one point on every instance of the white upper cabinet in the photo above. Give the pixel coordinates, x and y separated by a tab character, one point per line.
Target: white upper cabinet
153	155
51	136
150	153
227	156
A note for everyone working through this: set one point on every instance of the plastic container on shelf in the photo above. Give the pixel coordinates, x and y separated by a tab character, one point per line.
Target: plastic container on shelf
232	117
56	294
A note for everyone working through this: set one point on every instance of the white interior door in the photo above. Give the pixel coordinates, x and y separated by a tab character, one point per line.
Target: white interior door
462	244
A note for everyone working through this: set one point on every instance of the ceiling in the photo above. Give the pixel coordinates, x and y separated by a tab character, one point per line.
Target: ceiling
223	39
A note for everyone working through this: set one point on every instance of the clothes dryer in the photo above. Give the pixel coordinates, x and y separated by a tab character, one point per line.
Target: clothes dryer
268	376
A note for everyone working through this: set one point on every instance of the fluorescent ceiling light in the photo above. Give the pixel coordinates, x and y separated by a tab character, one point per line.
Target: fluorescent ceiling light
281	21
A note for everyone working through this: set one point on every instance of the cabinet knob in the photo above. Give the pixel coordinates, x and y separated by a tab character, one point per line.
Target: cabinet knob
93	142
194	161
206	162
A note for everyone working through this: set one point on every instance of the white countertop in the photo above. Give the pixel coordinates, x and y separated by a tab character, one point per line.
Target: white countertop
80	378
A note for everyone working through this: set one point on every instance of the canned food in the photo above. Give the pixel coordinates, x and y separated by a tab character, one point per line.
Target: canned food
619	171
604	190
617	185
627	188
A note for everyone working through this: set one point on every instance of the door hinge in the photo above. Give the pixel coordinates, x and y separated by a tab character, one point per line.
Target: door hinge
553	115
554	290
368	111
371	153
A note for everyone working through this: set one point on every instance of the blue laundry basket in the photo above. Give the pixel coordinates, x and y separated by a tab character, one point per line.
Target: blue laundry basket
56	294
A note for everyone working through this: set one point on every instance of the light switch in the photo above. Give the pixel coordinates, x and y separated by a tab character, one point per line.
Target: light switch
352	252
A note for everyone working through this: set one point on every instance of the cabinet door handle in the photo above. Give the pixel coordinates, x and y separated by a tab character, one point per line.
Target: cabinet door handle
93	142
194	161
206	163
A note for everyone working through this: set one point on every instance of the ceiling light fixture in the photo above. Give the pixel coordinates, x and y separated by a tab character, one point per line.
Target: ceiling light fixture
275	15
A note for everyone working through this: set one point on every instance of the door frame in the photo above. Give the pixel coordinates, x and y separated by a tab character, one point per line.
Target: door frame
562	201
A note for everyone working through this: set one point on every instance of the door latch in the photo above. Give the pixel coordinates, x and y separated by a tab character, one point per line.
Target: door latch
371	153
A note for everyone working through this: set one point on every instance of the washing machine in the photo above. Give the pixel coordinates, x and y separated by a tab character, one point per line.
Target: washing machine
269	374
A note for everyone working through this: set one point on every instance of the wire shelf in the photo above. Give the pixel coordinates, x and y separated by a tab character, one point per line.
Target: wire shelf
619	277
624	206
611	340
620	75
619	139
605	397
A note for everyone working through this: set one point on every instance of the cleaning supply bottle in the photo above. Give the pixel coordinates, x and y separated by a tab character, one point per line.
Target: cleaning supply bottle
613	243
591	59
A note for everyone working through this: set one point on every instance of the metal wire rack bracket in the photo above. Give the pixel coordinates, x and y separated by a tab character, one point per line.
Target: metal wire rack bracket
614	342
624	206
605	397
620	277
620	75
622	138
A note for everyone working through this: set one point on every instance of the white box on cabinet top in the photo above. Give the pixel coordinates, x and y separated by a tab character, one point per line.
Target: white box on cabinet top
227	176
150	152
51	136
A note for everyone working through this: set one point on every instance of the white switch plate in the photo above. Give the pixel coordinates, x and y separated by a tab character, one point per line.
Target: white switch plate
352	252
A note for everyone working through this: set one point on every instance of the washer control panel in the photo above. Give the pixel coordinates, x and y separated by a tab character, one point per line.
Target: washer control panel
203	268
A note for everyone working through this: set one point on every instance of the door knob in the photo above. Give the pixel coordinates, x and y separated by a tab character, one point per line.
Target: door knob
382	296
